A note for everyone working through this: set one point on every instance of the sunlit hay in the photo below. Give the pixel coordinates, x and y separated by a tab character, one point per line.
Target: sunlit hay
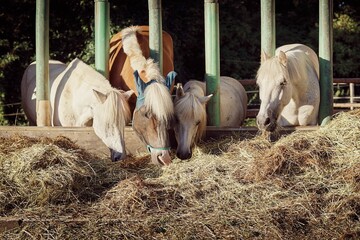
291	155
276	189
297	152
303	186
46	173
134	196
36	172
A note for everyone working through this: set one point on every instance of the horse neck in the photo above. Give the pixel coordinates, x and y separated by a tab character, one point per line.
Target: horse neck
297	68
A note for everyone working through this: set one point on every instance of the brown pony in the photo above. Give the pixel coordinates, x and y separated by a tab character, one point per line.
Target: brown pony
153	109
120	71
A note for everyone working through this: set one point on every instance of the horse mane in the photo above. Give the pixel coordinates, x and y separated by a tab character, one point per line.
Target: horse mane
190	107
137	61
158	100
298	64
157	96
117	109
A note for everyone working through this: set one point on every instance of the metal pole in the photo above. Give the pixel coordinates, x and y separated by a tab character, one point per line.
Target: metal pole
212	60
102	36
43	111
155	32
268	36
352	94
326	60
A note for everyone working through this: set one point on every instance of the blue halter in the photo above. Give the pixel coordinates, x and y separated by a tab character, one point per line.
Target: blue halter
141	85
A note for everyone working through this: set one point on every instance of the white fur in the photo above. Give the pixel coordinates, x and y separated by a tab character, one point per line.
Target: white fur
190	110
80	96
289	90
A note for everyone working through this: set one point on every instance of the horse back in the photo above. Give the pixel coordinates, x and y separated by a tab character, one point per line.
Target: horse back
233	102
28	85
72	93
307	50
233	99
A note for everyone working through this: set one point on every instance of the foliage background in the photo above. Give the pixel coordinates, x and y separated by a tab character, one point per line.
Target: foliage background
72	25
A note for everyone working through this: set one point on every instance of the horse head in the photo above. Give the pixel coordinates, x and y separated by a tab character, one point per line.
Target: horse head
110	114
275	90
190	120
153	116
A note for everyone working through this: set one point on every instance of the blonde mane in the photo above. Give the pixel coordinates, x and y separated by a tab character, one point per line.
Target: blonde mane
117	109
296	69
137	60
189	107
158	100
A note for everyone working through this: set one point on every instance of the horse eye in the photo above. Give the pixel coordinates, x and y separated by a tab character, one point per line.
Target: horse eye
147	115
283	83
176	119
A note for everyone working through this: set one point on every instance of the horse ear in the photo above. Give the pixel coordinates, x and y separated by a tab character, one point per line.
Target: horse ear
170	79
205	99
264	56
100	96
282	58
179	91
140	85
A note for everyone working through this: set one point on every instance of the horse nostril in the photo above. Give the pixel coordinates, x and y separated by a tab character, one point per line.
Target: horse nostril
258	122
117	156
184	156
267	121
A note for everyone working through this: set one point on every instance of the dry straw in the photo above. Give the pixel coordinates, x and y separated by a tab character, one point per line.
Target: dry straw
302	186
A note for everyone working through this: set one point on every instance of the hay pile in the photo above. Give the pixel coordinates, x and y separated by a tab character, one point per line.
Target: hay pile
39	172
304	186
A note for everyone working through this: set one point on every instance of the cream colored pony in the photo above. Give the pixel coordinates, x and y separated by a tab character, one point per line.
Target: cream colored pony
80	96
191	115
289	88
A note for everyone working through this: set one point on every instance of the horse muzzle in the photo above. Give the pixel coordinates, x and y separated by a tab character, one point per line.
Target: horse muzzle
117	156
184	155
266	123
161	157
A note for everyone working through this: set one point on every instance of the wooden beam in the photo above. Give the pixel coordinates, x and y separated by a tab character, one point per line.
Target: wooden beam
86	138
83	136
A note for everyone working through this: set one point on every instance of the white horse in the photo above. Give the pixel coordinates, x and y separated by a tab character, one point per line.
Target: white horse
288	88
190	111
80	96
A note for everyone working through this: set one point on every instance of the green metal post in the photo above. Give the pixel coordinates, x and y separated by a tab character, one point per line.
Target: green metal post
102	36
212	60
326	60
268	37
43	111
155	32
